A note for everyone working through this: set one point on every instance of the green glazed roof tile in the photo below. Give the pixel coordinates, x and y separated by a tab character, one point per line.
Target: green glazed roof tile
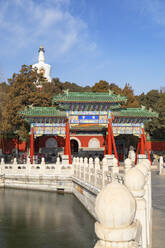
42	111
88	97
134	112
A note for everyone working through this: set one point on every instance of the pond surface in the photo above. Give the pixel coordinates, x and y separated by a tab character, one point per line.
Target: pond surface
32	219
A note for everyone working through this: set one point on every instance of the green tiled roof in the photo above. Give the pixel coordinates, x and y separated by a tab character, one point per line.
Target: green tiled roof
89	97
134	112
42	111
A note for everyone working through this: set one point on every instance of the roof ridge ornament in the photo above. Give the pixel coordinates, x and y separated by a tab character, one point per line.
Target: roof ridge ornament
66	92
143	107
110	92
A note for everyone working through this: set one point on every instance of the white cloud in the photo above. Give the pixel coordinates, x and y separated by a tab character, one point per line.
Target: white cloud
153	8
28	22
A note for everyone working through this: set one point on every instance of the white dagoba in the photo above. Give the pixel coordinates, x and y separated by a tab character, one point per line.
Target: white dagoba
41	66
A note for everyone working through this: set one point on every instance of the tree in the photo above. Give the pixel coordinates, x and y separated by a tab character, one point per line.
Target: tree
132	102
3	94
155	100
101	86
150	99
22	92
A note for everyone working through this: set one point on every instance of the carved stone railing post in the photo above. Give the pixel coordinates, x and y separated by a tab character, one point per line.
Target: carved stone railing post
127	164
115	167
104	172
74	165
86	170
58	165
91	171
116	226
28	166
78	167
132	156
97	168
81	169
161	164
109	160
140	158
2	165
135	181
144	168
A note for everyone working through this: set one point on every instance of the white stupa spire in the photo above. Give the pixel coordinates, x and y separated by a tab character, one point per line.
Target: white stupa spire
41	66
41	55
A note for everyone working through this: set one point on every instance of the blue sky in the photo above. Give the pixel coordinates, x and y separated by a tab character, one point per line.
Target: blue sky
121	41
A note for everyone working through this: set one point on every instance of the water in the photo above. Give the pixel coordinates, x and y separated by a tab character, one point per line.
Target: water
32	219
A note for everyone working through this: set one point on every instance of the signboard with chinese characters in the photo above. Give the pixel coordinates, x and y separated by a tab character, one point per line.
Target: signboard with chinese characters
89	117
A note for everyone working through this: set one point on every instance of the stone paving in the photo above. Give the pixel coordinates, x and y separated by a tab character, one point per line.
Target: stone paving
158	197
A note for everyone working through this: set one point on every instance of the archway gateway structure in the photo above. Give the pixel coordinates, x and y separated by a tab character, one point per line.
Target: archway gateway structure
93	119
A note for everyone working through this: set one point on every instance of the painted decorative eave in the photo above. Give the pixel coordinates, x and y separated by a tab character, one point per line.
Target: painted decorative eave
135	112
42	112
89	97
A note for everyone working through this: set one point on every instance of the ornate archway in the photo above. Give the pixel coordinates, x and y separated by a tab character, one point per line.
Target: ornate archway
51	143
74	146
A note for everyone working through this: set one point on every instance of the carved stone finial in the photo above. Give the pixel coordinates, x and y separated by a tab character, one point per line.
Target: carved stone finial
115	226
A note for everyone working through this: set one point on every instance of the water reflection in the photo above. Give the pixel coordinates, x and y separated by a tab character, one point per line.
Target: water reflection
44	220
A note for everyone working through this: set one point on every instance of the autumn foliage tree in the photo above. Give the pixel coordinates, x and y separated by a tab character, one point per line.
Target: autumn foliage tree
22	93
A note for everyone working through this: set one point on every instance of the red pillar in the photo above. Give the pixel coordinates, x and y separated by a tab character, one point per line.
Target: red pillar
31	145
114	144
137	151
142	144
146	147
105	149
109	138
67	149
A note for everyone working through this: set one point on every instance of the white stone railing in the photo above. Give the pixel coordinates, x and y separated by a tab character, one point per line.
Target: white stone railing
28	169
136	181
161	166
124	204
95	172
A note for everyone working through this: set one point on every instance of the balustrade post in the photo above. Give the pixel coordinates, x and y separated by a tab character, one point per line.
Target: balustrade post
97	167
127	164
147	196
161	165
115	168
58	165
116	226
15	166
135	181
2	165
109	160
74	165
140	158
104	171
81	169
28	162
78	167
86	168
91	171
